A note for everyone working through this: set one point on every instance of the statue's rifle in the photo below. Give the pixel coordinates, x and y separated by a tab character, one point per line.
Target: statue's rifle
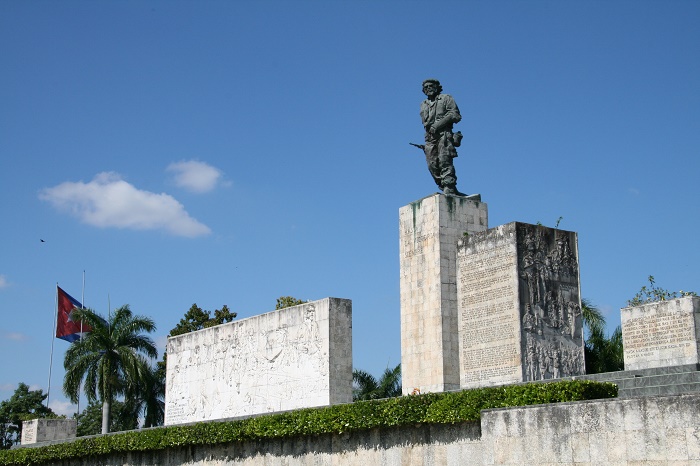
420	146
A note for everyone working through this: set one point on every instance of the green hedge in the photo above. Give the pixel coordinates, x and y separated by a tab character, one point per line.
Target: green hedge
440	408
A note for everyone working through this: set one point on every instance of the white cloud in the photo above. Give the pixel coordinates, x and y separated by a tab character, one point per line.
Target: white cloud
195	176
110	202
14	336
3	282
634	191
161	343
62	407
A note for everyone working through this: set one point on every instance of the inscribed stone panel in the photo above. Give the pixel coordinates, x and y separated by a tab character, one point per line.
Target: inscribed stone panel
519	305
661	334
487	301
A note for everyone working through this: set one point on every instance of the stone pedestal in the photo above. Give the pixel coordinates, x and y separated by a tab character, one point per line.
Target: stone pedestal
297	357
47	430
665	333
429	230
519	306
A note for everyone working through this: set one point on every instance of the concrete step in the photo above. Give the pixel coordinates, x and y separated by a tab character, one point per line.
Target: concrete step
655	380
672	380
652	390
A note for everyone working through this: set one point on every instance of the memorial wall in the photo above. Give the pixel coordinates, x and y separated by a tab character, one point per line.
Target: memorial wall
296	357
664	333
519	305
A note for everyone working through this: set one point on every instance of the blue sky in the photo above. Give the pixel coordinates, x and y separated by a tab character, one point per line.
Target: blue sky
234	152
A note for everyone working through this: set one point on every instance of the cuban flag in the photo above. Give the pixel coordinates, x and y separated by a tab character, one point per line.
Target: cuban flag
66	329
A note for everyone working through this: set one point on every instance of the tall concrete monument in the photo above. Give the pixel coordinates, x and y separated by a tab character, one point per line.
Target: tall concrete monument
519	305
297	357
429	230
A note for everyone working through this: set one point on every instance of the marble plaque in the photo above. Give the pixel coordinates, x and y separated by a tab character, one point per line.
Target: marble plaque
665	333
296	357
519	305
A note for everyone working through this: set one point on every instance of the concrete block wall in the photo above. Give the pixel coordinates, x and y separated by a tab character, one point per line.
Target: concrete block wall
47	430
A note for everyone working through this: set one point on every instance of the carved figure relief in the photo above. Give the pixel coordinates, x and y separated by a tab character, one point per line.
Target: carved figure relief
550	303
246	368
547	360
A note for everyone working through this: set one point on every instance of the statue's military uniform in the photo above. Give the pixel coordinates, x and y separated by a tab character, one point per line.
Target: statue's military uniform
441	113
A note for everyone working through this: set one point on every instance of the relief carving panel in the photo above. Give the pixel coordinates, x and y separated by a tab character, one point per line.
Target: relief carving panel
550	302
272	362
519	305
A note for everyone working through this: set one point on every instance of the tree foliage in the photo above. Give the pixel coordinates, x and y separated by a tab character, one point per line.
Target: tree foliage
368	387
654	294
592	316
602	354
23	405
288	301
121	418
112	360
197	319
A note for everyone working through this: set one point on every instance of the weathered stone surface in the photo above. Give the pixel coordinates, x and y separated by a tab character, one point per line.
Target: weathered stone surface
640	431
47	430
519	305
293	358
429	229
665	333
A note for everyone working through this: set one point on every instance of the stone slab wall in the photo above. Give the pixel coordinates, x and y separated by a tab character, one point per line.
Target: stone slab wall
519	305
428	234
297	357
643	431
640	431
47	430
665	333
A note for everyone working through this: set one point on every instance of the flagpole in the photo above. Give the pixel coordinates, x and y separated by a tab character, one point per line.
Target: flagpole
82	301
53	337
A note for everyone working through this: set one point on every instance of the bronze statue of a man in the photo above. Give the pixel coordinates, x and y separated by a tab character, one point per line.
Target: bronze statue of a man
439	112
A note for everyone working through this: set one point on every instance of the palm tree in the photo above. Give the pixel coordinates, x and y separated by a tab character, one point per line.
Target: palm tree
603	354
111	359
367	387
591	314
148	397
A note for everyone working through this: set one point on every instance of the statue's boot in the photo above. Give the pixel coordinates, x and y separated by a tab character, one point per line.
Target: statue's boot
452	191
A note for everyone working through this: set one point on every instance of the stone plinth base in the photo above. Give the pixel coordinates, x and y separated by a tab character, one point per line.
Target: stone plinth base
665	333
297	357
429	230
48	430
519	305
